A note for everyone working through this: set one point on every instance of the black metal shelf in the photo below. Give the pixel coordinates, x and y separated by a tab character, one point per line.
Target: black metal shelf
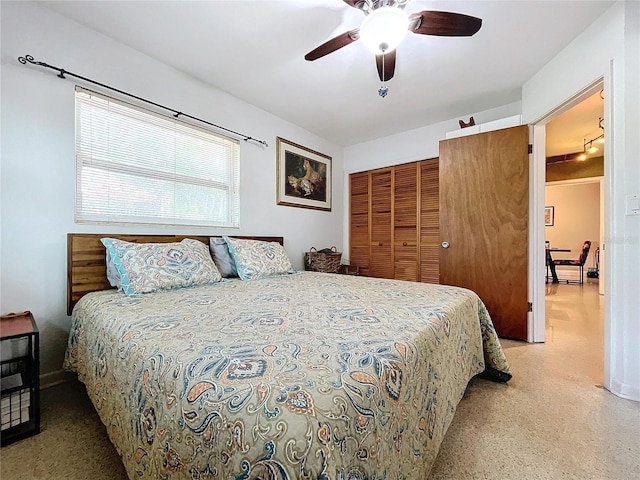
20	376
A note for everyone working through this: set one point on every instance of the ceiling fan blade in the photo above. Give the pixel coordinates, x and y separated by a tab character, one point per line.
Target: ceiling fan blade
334	44
389	65
445	24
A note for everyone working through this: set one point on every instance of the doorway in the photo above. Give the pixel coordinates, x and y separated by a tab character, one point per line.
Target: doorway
574	166
589	137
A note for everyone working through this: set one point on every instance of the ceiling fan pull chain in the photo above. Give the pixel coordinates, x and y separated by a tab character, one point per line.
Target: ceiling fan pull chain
382	91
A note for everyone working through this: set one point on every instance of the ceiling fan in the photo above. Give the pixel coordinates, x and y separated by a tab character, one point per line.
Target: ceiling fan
385	25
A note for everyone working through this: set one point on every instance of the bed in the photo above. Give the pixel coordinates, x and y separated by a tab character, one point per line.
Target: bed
295	376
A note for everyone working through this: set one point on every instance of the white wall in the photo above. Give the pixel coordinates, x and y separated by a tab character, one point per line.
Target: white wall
413	145
37	169
609	49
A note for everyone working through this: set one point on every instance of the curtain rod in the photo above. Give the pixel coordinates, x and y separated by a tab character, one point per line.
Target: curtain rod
176	113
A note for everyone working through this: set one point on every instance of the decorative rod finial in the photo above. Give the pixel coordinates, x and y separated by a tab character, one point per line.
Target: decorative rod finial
25	59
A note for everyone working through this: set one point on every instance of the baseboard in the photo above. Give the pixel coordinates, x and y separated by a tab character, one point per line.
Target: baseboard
625	390
572	274
55	378
569	273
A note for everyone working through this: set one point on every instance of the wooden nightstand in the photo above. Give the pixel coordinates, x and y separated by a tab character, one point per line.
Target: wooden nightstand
349	270
19	377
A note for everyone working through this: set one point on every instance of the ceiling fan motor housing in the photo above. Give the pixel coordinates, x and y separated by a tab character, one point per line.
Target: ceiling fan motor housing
383	30
368	6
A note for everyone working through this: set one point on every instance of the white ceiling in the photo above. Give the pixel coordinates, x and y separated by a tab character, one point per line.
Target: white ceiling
568	132
255	51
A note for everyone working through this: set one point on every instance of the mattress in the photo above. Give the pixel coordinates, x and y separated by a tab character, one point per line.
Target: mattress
310	375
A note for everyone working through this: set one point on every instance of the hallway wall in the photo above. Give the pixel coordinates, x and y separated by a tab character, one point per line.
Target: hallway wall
576	219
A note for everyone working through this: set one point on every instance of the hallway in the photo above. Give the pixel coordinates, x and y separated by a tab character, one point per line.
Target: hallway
575	327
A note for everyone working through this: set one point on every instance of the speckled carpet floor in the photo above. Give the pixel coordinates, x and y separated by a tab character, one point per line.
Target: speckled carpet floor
551	421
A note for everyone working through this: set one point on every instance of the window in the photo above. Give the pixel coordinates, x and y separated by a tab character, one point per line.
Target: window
135	166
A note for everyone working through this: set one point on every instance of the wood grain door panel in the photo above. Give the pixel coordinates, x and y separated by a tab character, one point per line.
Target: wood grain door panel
483	195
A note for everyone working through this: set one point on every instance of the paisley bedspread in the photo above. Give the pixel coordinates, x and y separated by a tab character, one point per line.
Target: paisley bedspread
312	375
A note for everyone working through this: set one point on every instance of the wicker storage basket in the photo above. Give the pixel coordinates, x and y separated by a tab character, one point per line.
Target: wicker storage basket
322	261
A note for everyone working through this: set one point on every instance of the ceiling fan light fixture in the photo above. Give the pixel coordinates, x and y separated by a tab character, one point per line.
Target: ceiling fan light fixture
383	29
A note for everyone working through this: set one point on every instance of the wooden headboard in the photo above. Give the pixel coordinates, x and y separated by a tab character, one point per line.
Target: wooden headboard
86	259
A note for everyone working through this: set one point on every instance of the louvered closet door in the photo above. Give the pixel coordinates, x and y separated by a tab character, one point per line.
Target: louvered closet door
359	254
405	222
429	221
381	261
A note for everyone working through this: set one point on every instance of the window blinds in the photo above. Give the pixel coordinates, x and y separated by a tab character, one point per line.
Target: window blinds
135	166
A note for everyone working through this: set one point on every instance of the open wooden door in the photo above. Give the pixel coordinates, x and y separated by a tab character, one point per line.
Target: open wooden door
484	198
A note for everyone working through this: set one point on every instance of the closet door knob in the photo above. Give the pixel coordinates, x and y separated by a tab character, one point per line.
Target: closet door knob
445	244
404	244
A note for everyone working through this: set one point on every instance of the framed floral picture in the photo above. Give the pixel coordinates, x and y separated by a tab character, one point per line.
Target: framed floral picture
303	176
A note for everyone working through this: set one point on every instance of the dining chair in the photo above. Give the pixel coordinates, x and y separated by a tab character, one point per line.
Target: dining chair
584	254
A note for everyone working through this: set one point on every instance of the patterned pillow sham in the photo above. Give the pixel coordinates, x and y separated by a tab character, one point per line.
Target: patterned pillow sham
112	272
222	258
148	267
257	259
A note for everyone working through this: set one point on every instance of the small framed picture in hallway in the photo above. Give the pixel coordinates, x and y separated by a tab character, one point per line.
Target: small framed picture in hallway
548	216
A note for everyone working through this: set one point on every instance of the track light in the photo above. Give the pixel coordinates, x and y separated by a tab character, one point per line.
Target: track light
588	146
592	148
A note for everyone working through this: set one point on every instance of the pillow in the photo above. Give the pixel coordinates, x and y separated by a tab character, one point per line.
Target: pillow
222	258
112	272
148	267
256	259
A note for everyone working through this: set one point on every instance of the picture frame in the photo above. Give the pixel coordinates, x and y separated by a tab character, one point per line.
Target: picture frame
303	176
548	216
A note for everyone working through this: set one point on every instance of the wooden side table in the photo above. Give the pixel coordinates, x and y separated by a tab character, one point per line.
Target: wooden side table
19	377
349	270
